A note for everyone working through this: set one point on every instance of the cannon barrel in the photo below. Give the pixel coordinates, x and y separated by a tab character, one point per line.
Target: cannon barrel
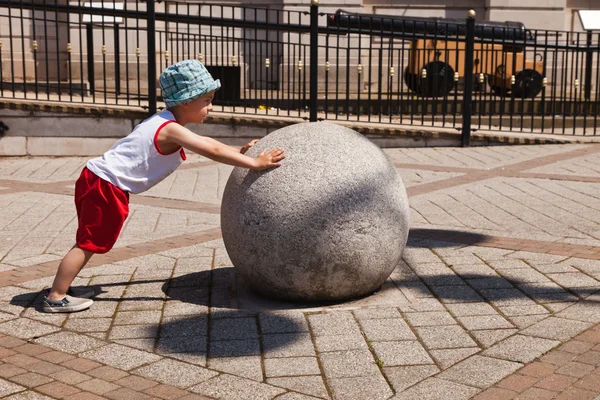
406	26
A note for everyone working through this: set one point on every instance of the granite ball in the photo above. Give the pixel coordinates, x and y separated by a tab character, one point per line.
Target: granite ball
330	224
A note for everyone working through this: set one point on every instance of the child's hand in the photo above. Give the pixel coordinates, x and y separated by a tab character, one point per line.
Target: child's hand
269	159
247	146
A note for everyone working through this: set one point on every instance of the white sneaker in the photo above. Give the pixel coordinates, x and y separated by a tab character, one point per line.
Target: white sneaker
66	305
83	292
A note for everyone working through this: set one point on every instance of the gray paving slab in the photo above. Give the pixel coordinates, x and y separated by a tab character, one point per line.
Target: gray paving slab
232	387
360	388
520	348
119	356
444	337
291	366
348	364
175	373
387	329
480	371
435	389
70	342
408	352
309	385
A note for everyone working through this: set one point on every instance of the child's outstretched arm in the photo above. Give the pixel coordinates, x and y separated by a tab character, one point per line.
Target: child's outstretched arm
218	151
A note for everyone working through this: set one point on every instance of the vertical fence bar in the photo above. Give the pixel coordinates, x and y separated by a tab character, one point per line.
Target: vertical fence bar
468	91
314	58
89	31
151	58
117	58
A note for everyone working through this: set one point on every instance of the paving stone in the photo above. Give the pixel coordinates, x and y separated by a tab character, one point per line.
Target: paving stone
423	304
480	371
248	367
435	389
556	383
347	364
489	337
137	317
287	345
184	326
107	373
295	366
166	392
575	369
120	356
282	322
522	275
89	325
360	388
433	318
524	322
97	386
235	388
520	348
340	342
522	310
586	311
26	328
377	313
175	373
29	396
80	364
470	309
310	385
574	280
70	377
140	344
387	329
456	294
339	323
556	328
133	332
57	389
448	357
233	328
31	379
481	322
183	344
135	382
404	377
494	282
445	337
69	342
234	348
401	353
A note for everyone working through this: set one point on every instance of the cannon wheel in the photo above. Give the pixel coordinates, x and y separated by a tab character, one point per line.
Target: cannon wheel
439	81
528	84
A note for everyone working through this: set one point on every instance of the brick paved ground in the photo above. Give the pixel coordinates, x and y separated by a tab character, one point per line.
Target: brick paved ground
497	296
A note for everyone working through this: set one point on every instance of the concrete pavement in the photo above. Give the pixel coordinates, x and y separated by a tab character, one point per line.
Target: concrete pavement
500	299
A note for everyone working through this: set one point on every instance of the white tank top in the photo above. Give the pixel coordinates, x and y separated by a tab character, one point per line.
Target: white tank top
135	163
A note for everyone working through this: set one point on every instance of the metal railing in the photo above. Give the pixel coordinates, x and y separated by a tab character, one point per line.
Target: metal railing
460	74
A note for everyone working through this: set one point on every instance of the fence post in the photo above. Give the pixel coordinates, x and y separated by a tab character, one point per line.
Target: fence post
314	59
151	35
468	90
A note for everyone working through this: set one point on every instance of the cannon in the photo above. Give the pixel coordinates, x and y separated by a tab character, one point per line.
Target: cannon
437	52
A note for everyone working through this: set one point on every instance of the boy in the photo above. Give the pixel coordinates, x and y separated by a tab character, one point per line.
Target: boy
136	163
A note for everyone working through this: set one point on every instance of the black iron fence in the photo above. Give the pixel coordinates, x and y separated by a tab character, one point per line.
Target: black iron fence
460	74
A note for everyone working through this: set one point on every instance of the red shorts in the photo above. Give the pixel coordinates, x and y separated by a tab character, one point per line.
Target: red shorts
101	210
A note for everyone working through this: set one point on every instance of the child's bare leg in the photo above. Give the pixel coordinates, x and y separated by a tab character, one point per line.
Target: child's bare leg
68	269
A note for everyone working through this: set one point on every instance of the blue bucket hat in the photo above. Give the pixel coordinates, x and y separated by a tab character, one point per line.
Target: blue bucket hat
185	81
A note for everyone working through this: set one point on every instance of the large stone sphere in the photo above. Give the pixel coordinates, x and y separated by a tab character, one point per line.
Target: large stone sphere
329	224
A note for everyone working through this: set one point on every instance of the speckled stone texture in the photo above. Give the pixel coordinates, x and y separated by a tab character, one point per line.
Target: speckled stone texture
329	224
